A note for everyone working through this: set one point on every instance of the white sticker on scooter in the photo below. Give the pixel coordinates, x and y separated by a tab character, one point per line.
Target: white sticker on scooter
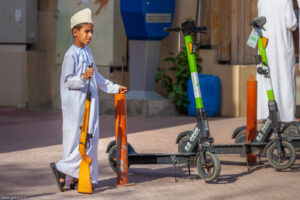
268	84
196	85
253	39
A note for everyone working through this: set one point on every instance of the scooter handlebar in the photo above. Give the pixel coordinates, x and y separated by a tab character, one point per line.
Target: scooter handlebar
168	29
201	29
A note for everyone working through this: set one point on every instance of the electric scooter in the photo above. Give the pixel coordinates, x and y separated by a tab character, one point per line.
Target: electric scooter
280	152
199	148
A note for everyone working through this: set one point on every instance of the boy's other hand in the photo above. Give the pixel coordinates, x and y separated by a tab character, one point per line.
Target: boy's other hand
122	89
89	73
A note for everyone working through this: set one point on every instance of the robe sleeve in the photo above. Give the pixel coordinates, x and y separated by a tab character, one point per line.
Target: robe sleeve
290	18
258	8
71	80
104	84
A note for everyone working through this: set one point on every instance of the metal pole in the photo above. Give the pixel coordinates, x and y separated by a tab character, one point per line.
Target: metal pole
251	114
198	18
121	138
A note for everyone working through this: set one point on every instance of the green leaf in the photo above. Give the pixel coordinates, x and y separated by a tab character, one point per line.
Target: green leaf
172	68
179	90
171	95
157	77
169	59
177	73
178	103
164	84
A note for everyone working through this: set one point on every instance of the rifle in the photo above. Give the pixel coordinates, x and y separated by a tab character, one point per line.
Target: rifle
84	181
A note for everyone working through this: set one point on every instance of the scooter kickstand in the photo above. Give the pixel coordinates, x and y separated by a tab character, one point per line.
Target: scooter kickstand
245	146
189	168
259	161
174	161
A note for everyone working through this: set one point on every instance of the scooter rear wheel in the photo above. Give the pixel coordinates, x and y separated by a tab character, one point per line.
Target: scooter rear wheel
291	131
210	169
182	143
241	137
284	161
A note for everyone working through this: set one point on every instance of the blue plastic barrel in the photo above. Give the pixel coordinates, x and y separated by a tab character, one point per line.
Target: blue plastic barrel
211	95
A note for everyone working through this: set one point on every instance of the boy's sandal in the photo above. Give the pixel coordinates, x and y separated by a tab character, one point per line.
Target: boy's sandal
58	175
74	185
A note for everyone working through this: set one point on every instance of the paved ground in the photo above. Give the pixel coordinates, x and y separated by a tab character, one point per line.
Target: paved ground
31	140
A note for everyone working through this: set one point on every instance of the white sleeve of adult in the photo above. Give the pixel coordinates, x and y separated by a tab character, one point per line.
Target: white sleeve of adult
71	80
290	18
258	8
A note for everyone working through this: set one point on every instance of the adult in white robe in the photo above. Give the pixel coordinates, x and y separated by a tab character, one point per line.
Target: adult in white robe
281	21
73	93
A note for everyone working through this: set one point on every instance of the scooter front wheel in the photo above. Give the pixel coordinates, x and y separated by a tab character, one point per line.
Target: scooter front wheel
112	158
209	167
283	161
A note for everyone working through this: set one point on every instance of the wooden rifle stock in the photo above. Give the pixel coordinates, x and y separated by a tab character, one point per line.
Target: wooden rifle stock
84	181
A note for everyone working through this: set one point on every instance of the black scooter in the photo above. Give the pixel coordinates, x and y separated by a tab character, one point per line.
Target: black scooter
280	151
199	146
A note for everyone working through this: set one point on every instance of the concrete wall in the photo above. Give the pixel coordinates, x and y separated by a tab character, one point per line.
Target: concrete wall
47	44
233	83
12	76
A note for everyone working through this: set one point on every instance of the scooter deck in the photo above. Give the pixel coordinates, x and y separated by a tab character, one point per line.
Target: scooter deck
253	147
296	142
239	148
159	158
180	158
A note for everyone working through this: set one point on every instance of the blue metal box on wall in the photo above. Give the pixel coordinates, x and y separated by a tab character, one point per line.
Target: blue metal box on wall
146	19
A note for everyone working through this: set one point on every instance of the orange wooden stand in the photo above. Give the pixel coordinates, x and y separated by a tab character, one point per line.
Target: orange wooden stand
121	140
251	114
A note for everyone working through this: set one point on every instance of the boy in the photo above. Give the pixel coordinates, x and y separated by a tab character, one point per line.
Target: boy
73	87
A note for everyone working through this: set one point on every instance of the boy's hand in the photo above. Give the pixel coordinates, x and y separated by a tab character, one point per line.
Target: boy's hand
122	89
89	73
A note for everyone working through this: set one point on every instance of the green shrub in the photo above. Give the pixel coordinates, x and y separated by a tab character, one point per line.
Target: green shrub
177	88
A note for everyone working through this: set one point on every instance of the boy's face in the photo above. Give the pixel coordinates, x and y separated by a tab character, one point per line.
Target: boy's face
84	35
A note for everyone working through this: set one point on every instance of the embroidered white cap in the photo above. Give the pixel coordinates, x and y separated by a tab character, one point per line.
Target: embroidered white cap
82	16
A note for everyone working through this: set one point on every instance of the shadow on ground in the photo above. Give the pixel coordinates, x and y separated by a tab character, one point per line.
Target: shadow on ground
21	129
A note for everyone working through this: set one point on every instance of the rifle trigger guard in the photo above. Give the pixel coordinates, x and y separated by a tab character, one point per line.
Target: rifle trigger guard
88	144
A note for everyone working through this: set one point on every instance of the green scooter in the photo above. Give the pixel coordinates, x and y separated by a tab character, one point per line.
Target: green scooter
280	151
277	147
